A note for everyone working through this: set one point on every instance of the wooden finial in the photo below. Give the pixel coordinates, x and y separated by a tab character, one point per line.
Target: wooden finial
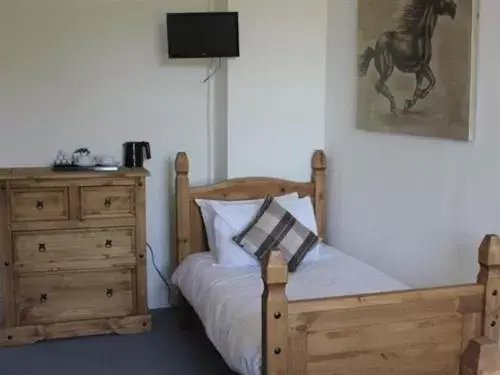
319	160
275	268
489	251
182	163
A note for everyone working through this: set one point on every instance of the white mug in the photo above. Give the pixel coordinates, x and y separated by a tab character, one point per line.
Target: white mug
107	160
83	160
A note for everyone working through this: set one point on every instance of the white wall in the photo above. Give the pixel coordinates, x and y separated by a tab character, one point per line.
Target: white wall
276	91
218	106
414	207
94	73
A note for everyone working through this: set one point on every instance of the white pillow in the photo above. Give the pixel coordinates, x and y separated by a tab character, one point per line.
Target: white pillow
227	253
208	213
230	220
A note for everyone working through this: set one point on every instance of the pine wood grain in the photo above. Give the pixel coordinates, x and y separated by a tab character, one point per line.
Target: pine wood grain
489	260
73	245
318	166
30	334
46	204
72	265
442	330
74	224
460	294
274	315
50	298
46	173
73	251
141	293
6	262
190	234
107	201
415	332
183	246
472	328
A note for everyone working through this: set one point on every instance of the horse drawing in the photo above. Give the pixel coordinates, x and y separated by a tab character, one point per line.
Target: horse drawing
408	48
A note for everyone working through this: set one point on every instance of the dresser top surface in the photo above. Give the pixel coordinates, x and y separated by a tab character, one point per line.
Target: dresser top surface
46	173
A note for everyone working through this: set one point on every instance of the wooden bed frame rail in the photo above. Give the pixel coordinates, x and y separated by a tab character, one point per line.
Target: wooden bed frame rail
439	331
189	231
445	330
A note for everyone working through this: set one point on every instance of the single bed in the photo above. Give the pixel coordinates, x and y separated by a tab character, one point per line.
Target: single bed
355	320
228	300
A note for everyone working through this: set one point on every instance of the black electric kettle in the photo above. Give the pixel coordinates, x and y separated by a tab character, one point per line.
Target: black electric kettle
135	153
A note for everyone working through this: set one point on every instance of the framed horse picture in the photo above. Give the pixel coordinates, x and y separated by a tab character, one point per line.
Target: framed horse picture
416	67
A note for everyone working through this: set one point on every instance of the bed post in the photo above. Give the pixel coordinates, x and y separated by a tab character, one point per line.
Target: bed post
181	229
318	178
482	355
182	207
489	275
274	315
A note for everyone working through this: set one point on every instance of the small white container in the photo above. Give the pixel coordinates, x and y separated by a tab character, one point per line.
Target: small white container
84	160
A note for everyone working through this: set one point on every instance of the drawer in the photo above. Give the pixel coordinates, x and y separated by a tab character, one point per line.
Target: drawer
85	244
107	201
48	298
41	204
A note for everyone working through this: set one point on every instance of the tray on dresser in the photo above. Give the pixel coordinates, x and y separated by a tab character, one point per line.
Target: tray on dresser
81	168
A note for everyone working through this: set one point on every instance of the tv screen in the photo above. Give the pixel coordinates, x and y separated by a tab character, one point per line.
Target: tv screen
197	35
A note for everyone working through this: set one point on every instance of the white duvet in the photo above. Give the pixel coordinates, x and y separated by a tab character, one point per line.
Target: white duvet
228	300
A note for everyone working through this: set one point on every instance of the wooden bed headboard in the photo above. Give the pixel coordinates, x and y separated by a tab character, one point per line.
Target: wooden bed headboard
189	235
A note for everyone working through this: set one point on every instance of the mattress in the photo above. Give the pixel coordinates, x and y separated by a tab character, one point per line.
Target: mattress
228	300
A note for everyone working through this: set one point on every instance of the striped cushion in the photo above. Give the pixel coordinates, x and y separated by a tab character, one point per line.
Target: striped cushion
273	227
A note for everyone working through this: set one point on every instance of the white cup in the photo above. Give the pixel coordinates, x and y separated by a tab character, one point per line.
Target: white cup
84	160
107	160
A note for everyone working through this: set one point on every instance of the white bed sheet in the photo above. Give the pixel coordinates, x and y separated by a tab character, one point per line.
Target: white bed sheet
228	300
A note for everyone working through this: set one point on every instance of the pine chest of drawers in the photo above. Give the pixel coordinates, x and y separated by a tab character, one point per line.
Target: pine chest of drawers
72	254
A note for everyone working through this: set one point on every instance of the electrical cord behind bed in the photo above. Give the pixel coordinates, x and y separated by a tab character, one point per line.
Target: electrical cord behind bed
163	278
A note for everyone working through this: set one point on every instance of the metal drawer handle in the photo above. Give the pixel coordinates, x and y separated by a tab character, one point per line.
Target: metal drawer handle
42	248
107	202
109	244
109	293
39	205
43	298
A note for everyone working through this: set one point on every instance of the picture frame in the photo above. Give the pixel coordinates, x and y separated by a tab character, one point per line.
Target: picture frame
417	67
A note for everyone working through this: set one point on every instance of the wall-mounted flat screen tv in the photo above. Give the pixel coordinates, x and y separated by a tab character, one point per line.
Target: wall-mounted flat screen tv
199	35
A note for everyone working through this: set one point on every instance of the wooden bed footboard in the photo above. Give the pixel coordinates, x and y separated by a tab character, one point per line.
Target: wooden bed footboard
445	330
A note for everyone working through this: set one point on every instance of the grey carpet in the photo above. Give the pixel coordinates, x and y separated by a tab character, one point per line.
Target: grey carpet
166	350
